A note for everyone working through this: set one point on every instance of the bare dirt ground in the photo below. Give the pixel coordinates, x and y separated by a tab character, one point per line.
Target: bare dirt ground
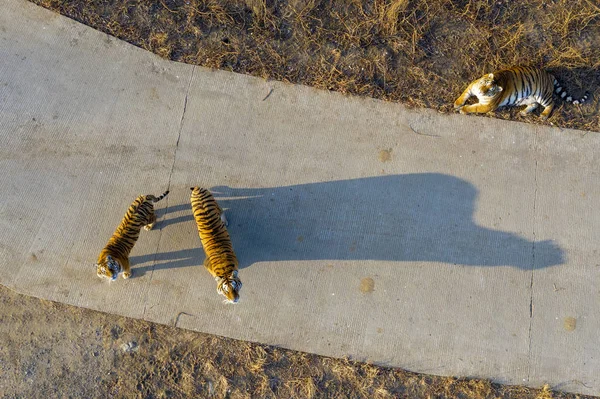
417	52
51	350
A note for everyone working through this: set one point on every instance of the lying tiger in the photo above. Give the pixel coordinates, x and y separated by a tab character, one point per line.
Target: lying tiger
114	258
520	85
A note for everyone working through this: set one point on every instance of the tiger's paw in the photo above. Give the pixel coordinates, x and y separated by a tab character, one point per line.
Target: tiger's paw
148	227
462	111
458	106
126	275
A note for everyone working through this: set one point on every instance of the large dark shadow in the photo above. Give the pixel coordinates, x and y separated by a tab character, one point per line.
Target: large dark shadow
404	218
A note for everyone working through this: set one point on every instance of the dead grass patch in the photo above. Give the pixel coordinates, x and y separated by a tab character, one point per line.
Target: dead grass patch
416	52
79	353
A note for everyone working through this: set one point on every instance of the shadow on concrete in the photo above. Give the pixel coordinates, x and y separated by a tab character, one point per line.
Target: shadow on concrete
404	218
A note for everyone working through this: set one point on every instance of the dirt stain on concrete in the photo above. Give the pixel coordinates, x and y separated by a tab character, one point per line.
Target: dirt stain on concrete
154	94
385	155
367	285
326	267
570	323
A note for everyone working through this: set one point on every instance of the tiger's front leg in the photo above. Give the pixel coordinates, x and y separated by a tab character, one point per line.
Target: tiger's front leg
476	109
460	101
126	268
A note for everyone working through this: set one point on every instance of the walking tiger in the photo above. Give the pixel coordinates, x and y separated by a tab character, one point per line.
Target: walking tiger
114	258
220	260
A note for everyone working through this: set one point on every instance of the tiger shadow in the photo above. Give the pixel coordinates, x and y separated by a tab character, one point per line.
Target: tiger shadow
406	218
163	212
164	260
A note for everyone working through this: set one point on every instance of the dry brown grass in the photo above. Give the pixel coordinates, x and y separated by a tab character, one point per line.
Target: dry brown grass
53	350
417	52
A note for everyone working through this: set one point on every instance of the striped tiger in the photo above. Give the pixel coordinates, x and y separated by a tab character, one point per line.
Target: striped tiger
114	258
520	85
220	260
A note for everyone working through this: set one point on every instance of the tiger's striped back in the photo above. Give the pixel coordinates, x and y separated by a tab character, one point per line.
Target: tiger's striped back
520	85
221	260
114	258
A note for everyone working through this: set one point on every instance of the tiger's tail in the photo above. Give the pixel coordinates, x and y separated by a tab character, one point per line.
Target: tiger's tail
156	199
558	89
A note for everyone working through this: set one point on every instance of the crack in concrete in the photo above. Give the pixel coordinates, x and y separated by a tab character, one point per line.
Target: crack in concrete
535	148
166	209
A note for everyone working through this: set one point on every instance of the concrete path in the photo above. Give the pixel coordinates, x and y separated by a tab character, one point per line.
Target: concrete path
443	244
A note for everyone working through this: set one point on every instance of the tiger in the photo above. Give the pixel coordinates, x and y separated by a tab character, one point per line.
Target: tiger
114	258
519	85
220	260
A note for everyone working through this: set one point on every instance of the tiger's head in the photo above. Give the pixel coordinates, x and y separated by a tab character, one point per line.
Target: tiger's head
487	86
230	287
109	268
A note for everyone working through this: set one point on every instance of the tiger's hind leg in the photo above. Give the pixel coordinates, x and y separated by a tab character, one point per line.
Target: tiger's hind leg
126	268
151	221
224	219
546	112
222	216
529	109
